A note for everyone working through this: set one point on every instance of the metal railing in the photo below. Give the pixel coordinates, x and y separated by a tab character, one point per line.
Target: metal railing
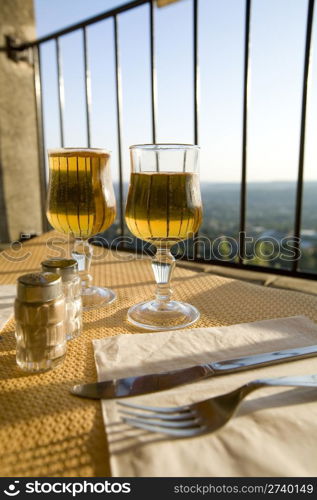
114	15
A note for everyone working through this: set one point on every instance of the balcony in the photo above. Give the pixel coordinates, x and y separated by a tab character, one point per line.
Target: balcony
240	230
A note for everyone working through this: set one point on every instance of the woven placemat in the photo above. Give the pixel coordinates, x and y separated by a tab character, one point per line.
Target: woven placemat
47	432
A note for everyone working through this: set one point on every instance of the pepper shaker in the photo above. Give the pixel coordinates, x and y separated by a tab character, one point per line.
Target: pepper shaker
67	269
40	322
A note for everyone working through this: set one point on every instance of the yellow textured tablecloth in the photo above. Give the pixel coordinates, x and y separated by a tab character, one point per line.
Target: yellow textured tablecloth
44	431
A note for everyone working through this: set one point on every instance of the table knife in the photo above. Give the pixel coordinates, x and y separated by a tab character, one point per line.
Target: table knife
143	384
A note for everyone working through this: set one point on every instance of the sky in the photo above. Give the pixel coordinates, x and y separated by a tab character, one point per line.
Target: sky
277	47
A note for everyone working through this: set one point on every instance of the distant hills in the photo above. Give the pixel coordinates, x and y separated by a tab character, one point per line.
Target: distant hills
270	212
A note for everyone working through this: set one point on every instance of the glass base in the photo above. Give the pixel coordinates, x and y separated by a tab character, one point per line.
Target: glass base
95	296
156	315
39	366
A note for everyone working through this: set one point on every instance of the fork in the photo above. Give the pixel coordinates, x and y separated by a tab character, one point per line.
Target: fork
205	416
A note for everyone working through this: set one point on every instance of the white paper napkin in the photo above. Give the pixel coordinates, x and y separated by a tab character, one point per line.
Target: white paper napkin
274	432
7	296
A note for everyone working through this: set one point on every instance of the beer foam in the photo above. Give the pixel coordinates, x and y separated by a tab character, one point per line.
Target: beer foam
83	152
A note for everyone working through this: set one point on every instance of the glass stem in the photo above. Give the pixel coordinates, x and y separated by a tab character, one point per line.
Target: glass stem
82	253
163	264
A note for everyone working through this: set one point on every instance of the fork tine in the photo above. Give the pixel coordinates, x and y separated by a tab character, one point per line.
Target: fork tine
167	409
179	424
161	416
168	431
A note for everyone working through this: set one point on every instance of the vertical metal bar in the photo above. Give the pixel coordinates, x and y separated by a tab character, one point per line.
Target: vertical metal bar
196	72
60	91
87	87
301	157
246	81
119	119
196	91
153	72
40	133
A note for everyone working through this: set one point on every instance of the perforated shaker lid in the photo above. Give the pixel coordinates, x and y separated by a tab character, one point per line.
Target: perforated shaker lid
66	268
39	287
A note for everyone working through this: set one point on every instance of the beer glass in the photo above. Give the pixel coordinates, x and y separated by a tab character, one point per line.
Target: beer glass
81	203
164	207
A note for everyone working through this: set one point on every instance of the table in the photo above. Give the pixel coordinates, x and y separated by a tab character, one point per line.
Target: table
44	430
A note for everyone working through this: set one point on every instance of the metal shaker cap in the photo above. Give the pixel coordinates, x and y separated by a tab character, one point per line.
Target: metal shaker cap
66	268
39	287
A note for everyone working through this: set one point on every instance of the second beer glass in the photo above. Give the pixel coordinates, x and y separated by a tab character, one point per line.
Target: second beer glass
164	207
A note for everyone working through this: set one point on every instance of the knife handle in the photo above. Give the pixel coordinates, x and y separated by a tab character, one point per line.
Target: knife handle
266	359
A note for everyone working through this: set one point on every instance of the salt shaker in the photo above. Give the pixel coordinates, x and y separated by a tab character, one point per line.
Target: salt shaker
68	271
39	311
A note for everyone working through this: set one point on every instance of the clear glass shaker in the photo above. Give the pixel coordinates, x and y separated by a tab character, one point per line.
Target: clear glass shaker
68	271
39	311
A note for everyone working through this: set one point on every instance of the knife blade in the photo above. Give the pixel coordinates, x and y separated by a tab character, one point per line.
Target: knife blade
144	384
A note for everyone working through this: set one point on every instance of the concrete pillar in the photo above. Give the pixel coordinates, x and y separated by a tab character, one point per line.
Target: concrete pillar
20	207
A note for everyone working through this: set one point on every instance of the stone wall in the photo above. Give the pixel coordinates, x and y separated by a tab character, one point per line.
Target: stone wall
20	207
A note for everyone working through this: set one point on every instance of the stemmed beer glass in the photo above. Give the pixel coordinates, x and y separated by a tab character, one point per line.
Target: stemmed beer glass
81	203
164	207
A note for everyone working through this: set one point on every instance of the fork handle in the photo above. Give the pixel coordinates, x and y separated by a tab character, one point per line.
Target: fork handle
299	381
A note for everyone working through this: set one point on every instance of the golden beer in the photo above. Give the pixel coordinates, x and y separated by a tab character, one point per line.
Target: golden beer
164	208
81	200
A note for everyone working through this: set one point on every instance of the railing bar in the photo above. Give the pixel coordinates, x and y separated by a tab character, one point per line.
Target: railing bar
196	71
87	88
119	120
60	88
196	90
301	156
257	268
246	78
153	80
86	22
40	133
153	73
